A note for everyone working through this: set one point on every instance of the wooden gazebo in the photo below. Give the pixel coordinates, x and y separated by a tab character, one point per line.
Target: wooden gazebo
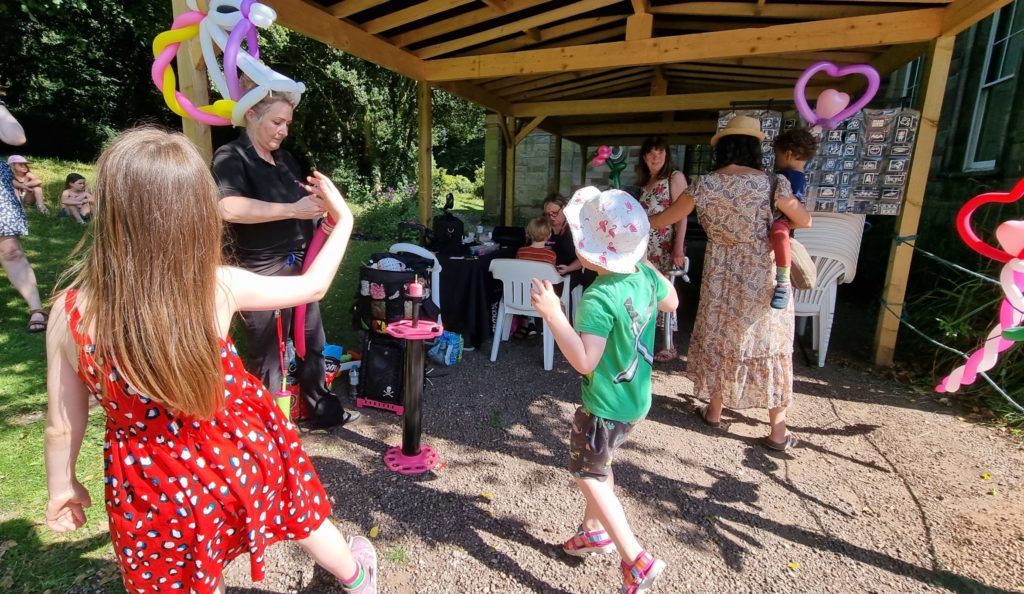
628	68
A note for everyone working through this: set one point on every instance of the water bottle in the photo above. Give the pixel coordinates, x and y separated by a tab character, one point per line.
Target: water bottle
353	382
480	232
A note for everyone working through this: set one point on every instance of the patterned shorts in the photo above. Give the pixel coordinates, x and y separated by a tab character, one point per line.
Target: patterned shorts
593	442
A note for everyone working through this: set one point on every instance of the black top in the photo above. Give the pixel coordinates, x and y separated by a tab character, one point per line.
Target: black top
565	251
240	171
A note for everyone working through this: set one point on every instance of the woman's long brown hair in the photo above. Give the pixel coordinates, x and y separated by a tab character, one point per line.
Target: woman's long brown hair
148	274
644	175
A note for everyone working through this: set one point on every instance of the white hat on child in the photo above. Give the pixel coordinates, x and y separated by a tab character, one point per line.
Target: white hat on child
609	228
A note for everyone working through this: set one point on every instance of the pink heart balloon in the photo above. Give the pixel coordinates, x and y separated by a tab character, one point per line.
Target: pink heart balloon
800	91
1011	236
831	103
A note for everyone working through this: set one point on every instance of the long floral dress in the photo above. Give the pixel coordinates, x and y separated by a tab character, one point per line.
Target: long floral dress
742	349
12	217
659	246
185	496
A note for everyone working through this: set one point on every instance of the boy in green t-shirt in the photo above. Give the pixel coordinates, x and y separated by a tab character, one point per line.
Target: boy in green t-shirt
614	352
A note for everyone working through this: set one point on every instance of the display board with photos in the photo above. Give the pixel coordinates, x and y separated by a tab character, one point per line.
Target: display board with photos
861	167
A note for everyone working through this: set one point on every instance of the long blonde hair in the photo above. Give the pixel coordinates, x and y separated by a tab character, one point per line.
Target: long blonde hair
149	270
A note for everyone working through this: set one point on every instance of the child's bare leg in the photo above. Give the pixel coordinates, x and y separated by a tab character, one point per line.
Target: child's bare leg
328	549
605	505
591	521
220	586
75	213
783	258
37	192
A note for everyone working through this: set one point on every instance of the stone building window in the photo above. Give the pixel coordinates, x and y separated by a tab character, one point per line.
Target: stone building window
996	89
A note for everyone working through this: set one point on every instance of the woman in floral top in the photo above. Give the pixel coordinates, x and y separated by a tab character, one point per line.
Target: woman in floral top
661	184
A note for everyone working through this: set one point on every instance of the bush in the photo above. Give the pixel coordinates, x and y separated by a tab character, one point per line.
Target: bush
385	211
478	182
445	183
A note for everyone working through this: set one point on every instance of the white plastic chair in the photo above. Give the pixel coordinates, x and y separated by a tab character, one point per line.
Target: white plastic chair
833	242
515	276
435	275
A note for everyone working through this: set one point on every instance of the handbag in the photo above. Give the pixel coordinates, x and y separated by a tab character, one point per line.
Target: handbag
802	271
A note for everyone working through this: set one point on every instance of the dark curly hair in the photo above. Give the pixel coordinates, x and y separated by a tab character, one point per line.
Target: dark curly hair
798	140
738	149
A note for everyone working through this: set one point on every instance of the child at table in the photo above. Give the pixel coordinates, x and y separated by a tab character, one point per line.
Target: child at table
200	465
614	352
75	199
538	233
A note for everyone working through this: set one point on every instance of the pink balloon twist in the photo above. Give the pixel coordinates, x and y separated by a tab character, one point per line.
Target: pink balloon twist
299	320
1011	315
162	63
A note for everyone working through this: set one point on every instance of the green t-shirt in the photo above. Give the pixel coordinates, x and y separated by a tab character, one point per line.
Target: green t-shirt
623	309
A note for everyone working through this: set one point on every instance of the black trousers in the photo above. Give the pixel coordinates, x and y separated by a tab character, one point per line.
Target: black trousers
264	358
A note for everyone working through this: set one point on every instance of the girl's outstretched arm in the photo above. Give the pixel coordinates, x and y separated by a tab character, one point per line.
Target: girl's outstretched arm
253	292
67	414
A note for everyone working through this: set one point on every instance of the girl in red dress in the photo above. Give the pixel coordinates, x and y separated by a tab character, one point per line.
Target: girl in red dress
200	464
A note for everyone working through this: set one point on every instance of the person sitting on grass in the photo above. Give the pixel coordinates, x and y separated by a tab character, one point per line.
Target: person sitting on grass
75	199
200	464
614	352
27	185
538	232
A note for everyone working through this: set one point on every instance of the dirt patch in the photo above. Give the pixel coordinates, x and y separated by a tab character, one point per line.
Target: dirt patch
890	491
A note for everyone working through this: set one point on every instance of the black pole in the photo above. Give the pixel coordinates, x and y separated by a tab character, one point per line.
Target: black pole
413	382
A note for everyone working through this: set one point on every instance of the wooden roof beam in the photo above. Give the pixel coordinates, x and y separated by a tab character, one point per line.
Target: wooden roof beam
777	10
640	128
629	82
499	5
640	26
641	6
539	90
576	8
311	21
351	7
462	21
410	14
517	84
477	95
686	102
574	27
886	29
961	14
659	84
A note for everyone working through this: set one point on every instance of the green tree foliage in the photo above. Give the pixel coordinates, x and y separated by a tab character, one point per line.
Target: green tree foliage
76	72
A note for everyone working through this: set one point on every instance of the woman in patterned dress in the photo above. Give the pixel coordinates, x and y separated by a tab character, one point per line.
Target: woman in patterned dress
13	225
661	185
741	351
199	463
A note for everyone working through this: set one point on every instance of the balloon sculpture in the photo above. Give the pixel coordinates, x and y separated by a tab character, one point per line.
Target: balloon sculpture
227	24
833	106
615	159
1010	236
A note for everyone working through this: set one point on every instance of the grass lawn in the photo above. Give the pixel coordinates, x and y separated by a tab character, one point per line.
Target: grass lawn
33	559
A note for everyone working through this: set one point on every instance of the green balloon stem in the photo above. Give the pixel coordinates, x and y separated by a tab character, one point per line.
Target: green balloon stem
1014	334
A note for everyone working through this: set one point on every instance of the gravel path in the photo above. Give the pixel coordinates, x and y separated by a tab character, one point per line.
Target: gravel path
890	491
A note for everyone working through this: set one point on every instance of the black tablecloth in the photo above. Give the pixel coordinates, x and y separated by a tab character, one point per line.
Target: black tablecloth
467	292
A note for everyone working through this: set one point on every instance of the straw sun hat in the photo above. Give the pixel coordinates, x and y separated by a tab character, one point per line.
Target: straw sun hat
740	124
609	228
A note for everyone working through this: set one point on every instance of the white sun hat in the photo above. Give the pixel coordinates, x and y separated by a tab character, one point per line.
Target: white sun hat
609	229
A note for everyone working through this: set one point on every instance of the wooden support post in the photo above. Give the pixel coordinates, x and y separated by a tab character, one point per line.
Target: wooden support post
583	168
194	84
935	75
556	167
510	171
425	108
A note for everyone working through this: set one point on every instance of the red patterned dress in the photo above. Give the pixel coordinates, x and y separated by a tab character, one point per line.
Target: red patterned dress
185	496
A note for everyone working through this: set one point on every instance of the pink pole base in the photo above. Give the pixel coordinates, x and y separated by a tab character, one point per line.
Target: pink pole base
398	462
